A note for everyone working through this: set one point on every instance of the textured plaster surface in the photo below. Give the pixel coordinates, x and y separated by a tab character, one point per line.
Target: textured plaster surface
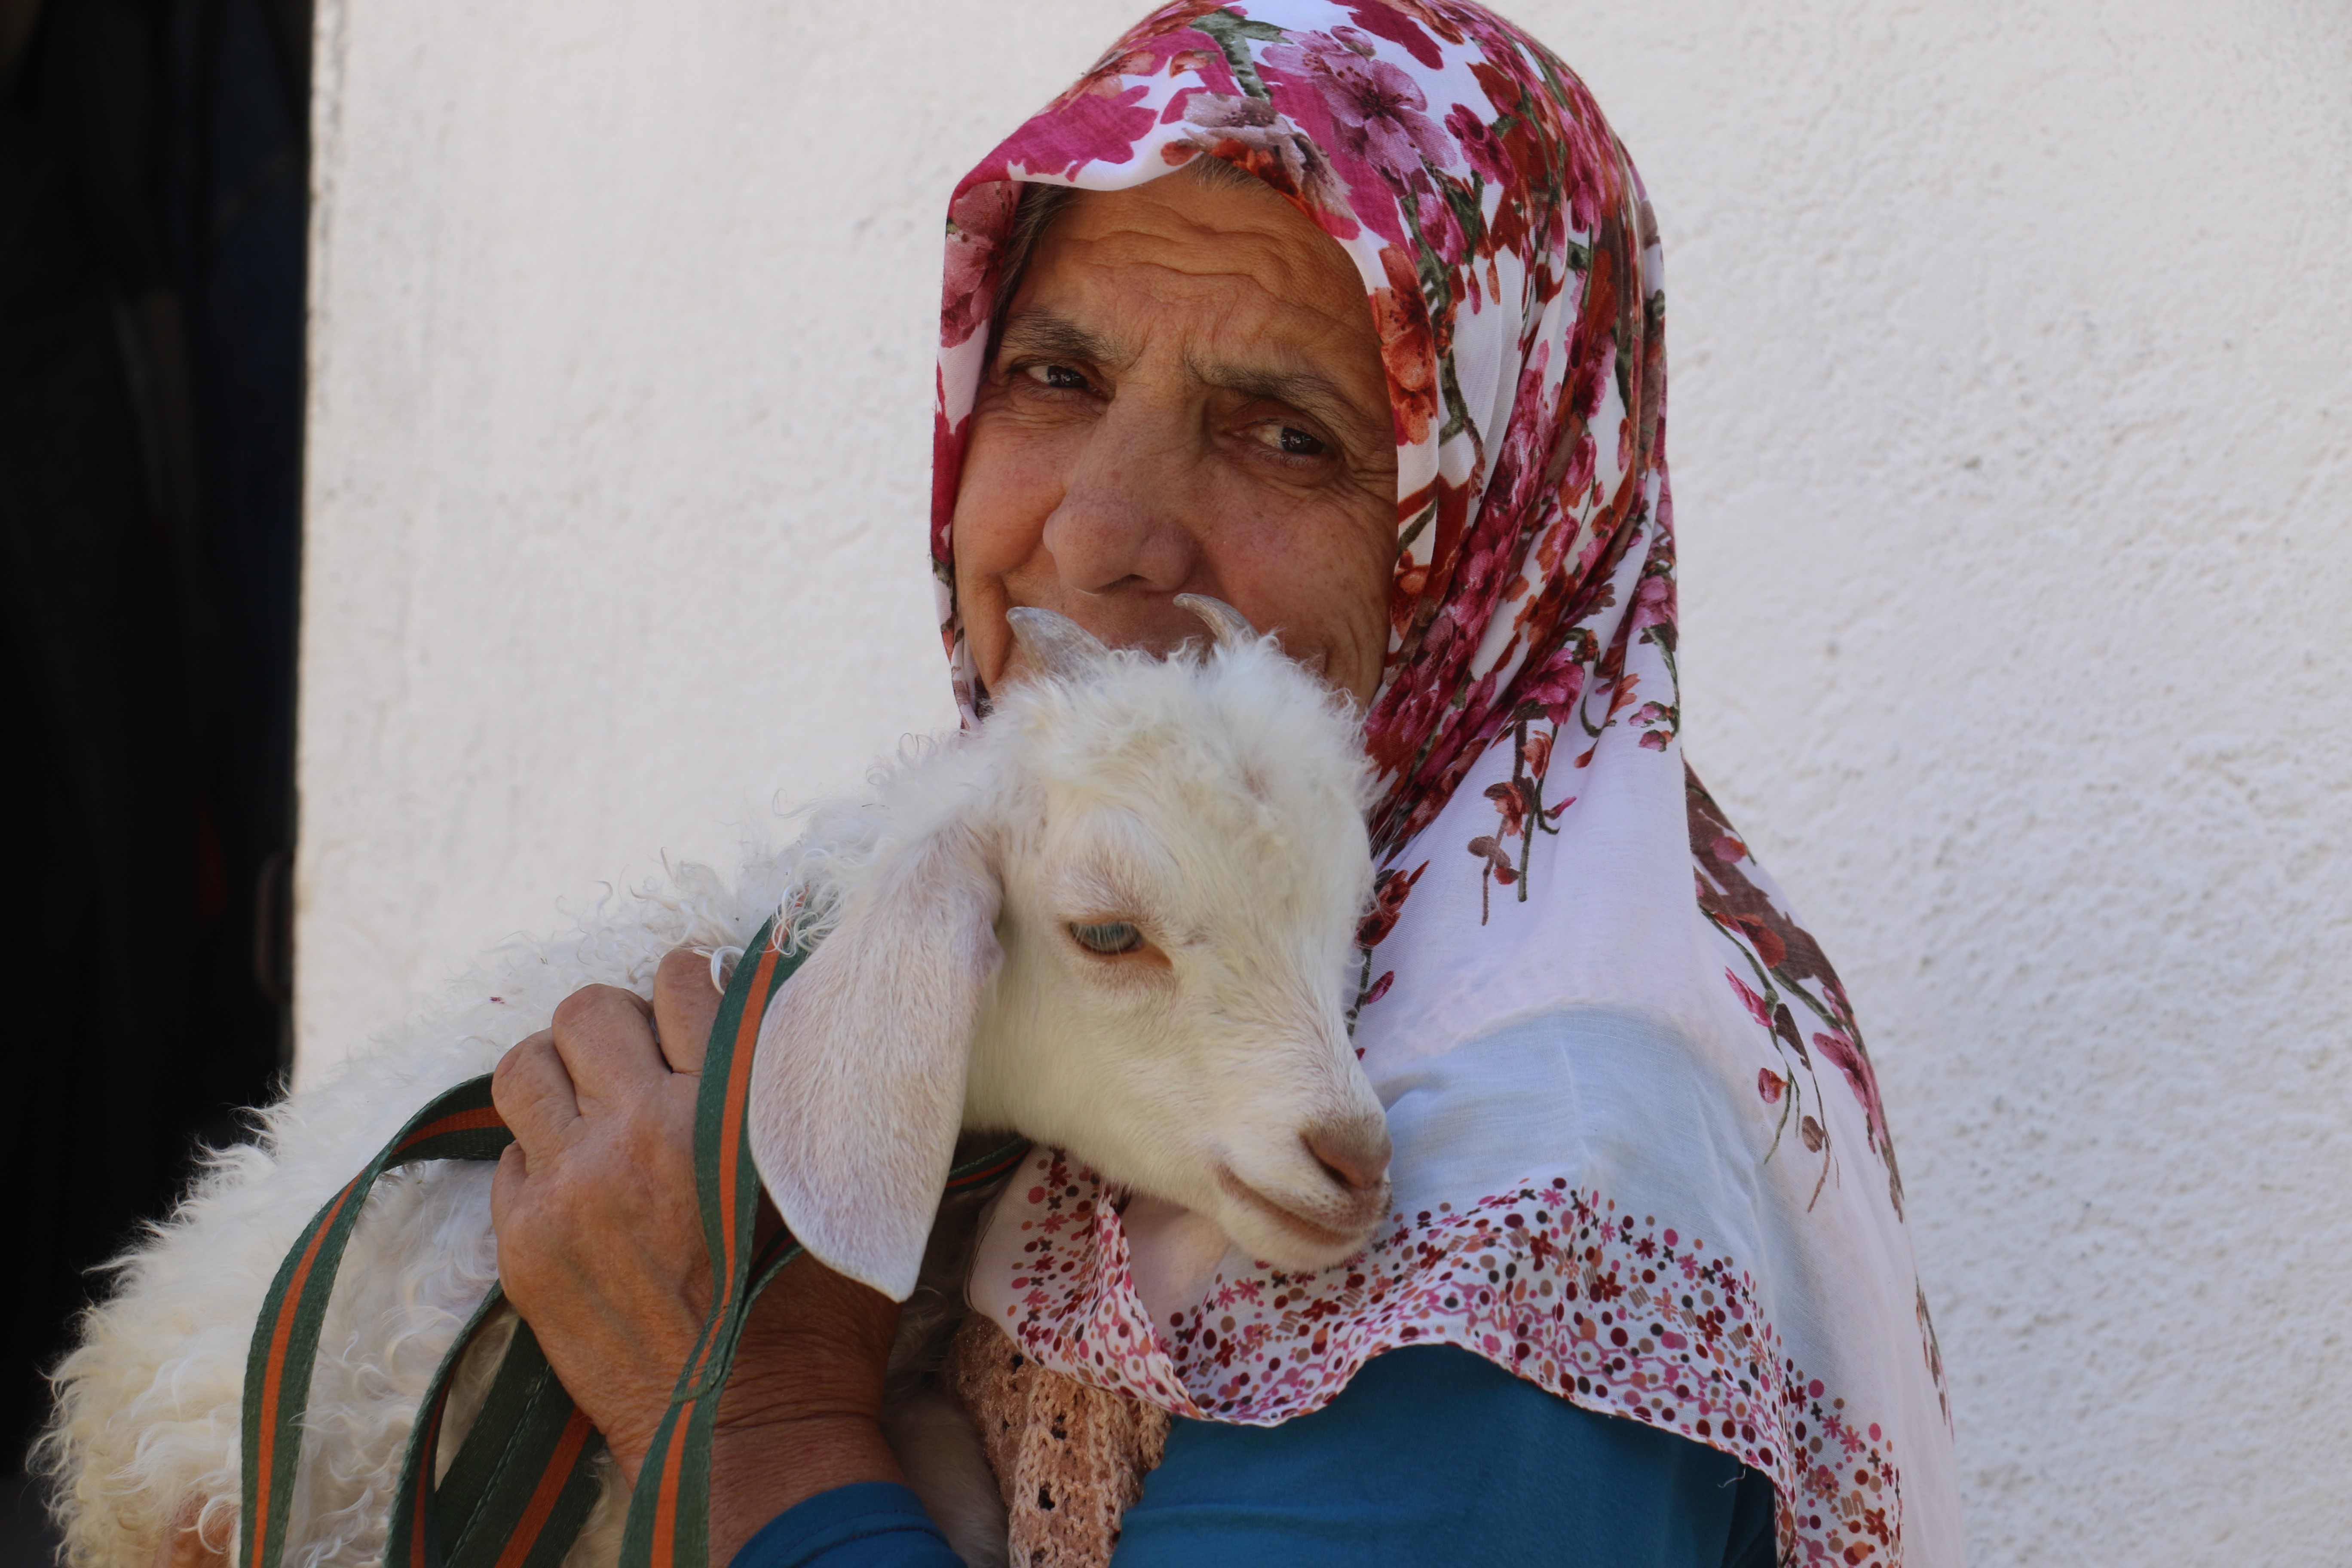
2012	437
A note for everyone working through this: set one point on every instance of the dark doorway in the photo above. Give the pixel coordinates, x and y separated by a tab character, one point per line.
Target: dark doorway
154	213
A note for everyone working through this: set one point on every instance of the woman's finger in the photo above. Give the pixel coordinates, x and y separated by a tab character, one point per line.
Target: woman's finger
507	1179
685	1002
533	1092
605	1036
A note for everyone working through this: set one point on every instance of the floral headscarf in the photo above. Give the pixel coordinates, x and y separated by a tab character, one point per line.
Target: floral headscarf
1641	1157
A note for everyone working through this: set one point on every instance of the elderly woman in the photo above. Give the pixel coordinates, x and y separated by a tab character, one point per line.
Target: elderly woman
1347	312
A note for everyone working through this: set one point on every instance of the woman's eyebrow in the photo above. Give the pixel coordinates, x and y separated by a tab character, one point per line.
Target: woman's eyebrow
1308	391
1050	333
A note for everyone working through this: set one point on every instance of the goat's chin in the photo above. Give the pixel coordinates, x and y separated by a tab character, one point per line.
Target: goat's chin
1300	1233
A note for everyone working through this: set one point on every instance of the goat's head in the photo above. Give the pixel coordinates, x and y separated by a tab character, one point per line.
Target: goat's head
1128	908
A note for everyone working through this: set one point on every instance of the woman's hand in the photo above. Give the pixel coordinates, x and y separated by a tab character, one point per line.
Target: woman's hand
601	1249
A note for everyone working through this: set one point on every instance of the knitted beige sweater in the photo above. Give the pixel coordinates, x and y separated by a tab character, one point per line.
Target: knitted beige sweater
1070	1459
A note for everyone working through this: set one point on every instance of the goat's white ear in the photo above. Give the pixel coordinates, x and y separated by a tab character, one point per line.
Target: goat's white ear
858	1089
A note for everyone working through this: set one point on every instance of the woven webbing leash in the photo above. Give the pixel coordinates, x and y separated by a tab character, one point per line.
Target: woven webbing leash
521	1487
458	1125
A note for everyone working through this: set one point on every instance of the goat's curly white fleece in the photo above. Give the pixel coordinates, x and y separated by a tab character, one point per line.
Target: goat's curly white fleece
149	1402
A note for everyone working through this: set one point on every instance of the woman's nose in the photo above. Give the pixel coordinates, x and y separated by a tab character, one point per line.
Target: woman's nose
1123	516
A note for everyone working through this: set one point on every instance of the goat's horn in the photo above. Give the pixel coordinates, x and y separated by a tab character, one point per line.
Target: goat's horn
1231	628
1058	645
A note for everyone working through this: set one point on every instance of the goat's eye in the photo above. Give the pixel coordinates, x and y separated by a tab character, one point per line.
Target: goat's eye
1109	936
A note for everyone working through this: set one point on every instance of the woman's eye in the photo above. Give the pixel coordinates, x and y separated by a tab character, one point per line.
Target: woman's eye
1108	938
1293	442
1059	377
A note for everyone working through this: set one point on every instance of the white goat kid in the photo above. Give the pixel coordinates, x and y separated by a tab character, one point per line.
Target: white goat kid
1117	919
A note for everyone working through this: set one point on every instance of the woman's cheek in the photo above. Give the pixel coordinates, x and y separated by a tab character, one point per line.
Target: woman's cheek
1336	575
1009	488
1280	559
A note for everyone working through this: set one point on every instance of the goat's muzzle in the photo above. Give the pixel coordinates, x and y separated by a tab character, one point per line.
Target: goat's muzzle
1356	1157
1325	1235
1322	1205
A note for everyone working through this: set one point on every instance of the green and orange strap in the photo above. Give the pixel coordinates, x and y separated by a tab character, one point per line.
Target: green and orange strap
521	1487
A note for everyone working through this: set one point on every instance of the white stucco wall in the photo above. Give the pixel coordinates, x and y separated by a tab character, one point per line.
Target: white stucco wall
2012	436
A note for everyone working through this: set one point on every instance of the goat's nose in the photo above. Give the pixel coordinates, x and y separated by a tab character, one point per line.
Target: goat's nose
1356	1158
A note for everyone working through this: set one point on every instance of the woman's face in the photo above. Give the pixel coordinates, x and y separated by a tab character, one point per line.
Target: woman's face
1188	398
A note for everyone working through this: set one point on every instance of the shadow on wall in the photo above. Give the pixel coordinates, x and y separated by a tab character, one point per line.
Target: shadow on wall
153	172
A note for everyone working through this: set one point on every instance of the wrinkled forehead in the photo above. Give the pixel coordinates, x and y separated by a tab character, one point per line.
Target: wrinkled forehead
1228	282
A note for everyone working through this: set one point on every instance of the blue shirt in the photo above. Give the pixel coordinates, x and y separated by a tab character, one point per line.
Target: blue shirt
1432	1454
